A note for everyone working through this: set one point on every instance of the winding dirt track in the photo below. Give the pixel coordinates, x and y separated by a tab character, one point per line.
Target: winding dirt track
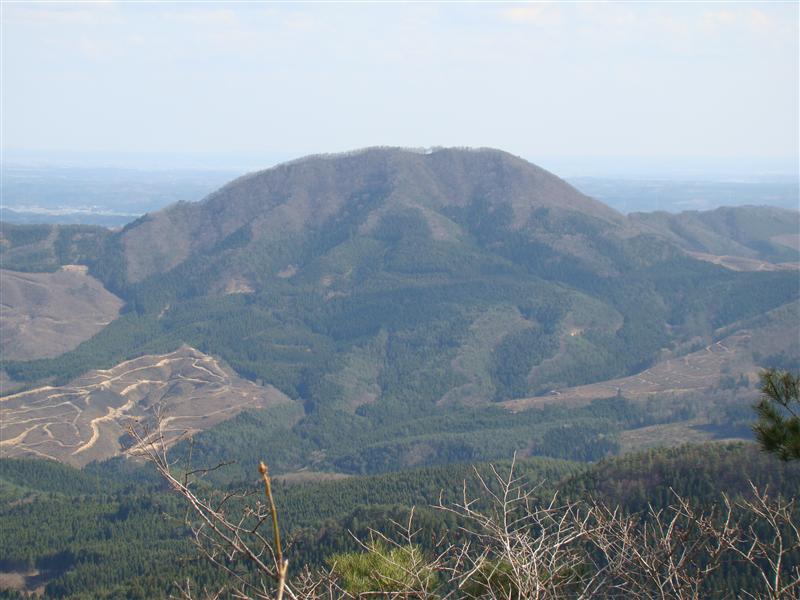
86	419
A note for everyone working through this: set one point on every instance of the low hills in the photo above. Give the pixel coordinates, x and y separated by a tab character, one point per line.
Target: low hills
694	372
46	248
761	237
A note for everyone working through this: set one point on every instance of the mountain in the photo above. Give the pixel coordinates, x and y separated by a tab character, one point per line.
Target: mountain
405	299
336	194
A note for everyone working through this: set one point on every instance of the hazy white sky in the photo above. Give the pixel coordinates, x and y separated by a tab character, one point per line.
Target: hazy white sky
556	80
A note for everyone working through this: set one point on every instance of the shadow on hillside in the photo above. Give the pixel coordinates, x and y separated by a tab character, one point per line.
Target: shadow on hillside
722	432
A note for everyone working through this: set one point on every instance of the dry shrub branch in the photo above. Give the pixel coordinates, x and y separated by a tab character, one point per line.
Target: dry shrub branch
512	545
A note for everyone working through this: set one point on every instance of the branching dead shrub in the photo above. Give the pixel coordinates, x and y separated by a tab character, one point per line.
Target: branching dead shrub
513	545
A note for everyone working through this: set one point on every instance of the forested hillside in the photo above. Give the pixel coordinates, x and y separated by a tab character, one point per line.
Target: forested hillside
112	532
751	232
397	296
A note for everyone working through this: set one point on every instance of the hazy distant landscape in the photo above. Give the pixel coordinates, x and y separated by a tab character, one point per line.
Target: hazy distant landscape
110	197
400	301
114	196
676	195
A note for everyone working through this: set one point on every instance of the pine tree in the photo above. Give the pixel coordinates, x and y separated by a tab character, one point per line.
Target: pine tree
778	426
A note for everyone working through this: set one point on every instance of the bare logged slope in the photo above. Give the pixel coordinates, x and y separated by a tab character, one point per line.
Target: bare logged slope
46	314
694	372
86	419
698	371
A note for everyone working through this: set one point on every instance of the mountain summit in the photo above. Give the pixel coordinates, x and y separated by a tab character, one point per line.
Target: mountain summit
360	188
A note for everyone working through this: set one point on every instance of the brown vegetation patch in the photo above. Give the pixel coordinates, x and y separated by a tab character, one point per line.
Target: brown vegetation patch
29	582
299	477
691	373
46	314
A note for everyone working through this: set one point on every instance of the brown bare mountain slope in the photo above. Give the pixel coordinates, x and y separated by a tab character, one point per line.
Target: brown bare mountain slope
86	419
307	193
47	314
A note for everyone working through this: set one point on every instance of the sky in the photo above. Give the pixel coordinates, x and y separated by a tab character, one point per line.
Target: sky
558	83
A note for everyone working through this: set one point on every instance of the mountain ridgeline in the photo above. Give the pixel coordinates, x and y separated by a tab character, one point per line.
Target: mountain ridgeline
397	296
